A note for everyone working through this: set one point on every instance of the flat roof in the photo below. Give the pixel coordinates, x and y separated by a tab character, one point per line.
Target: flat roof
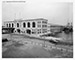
20	20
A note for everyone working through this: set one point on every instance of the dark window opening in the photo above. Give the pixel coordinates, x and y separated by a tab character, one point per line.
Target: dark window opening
12	25
33	24
28	24
9	25
17	24
24	25
28	31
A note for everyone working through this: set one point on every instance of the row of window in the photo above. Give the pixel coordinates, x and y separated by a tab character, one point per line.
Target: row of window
39	26
44	30
44	22
38	31
44	25
33	31
39	22
10	25
24	25
28	24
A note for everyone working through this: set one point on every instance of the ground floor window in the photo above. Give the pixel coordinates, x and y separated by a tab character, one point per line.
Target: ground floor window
33	31
39	31
44	30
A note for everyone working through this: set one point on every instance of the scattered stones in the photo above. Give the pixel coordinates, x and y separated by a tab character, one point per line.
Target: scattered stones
53	47
23	48
49	46
45	45
40	44
29	42
37	44
21	42
33	43
58	48
46	49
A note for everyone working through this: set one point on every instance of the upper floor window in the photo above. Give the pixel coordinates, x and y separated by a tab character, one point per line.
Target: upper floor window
17	24
44	22
33	24
44	25
39	31
9	25
28	24
24	25
12	25
39	21
39	25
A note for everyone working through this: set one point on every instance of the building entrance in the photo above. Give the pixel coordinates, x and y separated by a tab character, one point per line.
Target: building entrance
18	30
28	31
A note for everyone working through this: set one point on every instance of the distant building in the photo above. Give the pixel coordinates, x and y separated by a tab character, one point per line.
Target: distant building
56	28
30	26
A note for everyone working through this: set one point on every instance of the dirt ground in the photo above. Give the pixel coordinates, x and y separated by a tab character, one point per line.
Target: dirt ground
23	47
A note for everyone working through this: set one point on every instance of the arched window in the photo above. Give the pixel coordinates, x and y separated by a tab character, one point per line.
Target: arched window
33	24
9	25
24	25
28	24
12	25
17	24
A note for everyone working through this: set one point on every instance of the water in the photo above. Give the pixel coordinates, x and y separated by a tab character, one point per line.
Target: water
66	37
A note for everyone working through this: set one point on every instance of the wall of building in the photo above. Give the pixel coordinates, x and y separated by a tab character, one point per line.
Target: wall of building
39	28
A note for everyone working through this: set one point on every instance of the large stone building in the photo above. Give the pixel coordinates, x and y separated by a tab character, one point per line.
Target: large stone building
29	26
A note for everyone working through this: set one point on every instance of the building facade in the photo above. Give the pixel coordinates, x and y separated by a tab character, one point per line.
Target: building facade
56	28
30	26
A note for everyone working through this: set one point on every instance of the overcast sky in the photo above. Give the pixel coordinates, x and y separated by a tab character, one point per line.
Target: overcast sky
56	12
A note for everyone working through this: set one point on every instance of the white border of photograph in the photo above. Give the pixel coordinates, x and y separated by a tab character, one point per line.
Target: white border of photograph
37	58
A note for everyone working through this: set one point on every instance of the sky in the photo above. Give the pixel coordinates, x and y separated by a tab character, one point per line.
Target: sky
56	12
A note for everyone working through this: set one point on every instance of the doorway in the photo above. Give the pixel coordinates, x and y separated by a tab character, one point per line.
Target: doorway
28	31
18	30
